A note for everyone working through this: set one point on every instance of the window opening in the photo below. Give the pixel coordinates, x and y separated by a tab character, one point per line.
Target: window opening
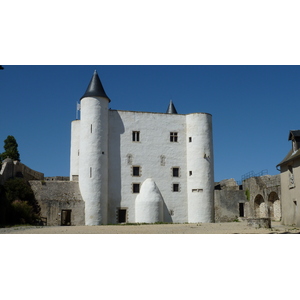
190	173
91	128
91	172
135	171
135	136
175	187
175	172
190	139
173	136
135	188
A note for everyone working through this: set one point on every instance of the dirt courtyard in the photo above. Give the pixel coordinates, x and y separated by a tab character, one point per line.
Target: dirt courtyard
201	228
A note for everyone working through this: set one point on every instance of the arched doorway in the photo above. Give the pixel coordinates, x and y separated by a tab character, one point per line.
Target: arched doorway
260	209
274	206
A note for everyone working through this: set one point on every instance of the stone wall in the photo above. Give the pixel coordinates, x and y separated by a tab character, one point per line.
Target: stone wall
12	169
264	196
228	197
54	197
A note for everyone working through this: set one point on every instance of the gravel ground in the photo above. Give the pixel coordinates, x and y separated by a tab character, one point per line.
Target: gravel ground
201	228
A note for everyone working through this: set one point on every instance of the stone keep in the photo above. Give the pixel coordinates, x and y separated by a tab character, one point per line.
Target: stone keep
140	166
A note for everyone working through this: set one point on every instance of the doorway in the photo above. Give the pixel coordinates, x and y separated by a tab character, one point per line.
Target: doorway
122	215
66	217
241	210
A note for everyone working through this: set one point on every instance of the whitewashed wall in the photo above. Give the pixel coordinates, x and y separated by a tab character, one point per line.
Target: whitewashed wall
93	159
200	185
154	142
74	153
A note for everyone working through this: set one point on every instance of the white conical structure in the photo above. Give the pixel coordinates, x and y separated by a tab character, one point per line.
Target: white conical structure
149	203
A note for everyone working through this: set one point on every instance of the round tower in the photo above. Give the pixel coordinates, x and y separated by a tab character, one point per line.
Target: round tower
200	168
93	156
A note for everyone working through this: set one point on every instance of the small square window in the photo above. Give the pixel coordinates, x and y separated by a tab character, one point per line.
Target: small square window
135	171
175	187
175	172
135	188
135	136
173	137
190	139
190	173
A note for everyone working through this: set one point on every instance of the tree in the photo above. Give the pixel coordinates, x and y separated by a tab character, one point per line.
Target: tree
11	149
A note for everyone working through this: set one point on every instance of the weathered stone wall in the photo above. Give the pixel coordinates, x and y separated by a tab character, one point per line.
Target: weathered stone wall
55	196
227	204
264	196
12	168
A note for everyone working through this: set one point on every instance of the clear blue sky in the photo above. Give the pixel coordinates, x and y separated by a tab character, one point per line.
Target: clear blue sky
253	108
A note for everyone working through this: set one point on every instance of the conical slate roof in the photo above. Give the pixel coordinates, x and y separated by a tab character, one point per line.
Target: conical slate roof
95	88
171	109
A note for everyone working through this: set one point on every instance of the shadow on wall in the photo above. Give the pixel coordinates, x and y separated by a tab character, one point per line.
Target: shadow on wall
114	163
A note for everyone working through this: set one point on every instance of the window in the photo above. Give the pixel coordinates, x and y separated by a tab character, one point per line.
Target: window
175	172
190	173
135	188
173	136
175	187
91	172
190	139
135	136
136	171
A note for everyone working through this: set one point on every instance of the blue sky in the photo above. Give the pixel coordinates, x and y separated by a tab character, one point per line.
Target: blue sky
253	108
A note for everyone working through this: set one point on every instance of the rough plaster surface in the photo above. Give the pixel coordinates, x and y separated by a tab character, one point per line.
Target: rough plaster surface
149	203
93	159
110	187
200	160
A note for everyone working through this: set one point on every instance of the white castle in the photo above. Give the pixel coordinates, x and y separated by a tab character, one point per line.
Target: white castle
139	166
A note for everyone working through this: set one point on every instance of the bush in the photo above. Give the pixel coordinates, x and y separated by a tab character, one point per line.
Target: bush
17	198
22	213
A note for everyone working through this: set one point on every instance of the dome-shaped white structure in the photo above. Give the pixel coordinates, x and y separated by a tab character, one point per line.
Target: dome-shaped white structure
149	203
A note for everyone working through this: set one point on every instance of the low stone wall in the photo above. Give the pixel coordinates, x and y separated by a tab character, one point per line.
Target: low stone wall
259	222
54	197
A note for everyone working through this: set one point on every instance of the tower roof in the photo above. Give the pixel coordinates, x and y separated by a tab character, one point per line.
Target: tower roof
95	88
171	109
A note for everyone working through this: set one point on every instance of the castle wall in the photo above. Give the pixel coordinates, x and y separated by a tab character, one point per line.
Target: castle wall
17	169
227	204
75	150
93	158
154	154
200	168
56	196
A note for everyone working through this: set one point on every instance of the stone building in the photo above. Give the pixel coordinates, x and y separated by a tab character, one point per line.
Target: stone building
290	181
141	166
257	197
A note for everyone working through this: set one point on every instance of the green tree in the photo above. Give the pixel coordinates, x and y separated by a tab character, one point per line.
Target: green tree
11	149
